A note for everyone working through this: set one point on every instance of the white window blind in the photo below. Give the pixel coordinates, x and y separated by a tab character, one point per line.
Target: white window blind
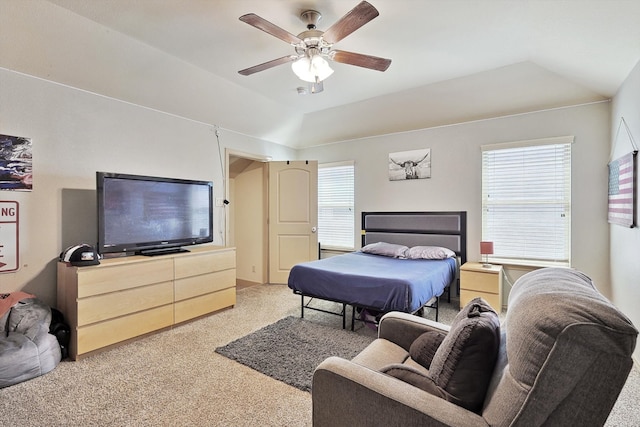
526	201
336	205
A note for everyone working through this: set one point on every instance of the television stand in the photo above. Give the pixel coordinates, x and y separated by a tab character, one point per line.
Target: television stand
163	251
125	298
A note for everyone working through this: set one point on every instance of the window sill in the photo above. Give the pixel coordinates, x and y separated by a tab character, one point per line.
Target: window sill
507	262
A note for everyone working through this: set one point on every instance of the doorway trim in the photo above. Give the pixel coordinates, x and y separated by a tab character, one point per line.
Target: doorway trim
229	154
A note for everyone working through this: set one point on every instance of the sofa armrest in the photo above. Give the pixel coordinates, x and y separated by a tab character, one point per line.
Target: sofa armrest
403	328
348	394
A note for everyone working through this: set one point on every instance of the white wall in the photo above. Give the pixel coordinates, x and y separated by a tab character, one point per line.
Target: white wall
624	253
76	133
250	228
456	174
43	39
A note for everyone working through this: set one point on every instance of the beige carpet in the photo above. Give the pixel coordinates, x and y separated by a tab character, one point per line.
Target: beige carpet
175	378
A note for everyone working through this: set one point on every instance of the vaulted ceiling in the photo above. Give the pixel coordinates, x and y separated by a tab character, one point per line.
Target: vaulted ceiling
452	61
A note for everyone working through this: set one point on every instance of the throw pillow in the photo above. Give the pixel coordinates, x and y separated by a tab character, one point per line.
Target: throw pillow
386	249
430	252
463	364
425	346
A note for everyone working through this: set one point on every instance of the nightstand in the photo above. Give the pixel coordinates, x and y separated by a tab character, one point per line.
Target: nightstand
478	281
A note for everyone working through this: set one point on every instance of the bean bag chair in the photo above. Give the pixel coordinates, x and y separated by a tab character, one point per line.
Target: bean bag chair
27	349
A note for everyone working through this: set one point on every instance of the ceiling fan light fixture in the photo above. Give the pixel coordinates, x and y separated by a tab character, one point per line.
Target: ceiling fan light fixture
312	70
312	47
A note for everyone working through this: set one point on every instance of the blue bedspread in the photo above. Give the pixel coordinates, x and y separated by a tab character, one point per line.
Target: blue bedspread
374	281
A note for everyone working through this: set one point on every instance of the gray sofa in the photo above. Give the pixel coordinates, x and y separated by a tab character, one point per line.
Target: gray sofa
27	349
563	356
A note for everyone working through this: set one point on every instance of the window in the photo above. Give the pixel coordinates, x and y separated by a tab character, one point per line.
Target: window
336	205
526	201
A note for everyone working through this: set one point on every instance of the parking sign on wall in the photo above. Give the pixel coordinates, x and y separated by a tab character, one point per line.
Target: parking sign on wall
8	236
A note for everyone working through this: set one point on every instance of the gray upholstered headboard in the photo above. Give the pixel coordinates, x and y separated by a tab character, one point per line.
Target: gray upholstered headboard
447	229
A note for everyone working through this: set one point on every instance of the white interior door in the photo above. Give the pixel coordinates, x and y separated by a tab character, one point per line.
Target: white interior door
293	216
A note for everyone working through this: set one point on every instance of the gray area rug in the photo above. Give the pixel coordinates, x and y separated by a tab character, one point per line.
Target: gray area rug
290	349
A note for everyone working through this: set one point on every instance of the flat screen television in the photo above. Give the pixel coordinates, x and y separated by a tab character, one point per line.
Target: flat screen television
146	215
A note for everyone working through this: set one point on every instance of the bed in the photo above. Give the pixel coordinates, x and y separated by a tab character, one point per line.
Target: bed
377	283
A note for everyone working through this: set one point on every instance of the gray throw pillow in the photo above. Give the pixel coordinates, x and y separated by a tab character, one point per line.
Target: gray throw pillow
463	364
425	346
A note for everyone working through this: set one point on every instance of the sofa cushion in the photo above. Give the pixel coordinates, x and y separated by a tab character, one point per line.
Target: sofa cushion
463	364
380	353
414	377
425	346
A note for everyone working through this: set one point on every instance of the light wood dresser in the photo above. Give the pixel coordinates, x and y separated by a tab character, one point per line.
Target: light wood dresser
124	298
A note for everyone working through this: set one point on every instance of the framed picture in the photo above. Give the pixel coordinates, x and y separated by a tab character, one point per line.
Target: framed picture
622	191
414	164
15	163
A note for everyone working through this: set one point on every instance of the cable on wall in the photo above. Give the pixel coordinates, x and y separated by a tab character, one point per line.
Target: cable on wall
222	225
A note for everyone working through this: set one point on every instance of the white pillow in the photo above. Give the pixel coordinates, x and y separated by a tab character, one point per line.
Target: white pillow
429	252
386	249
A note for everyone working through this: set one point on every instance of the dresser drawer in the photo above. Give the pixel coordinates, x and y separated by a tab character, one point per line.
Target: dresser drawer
102	334
116	304
198	306
190	287
103	279
194	265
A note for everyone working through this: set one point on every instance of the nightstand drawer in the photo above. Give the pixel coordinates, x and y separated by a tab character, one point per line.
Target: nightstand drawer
483	282
492	299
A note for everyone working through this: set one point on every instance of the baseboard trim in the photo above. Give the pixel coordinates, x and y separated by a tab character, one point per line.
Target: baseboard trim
241	283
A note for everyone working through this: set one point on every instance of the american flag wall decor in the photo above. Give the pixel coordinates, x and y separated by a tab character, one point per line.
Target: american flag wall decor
622	193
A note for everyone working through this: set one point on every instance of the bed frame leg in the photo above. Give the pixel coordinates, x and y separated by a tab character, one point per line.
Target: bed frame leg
353	316
437	307
302	306
344	316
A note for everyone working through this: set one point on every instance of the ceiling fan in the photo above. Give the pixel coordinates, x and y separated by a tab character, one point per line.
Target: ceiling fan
313	47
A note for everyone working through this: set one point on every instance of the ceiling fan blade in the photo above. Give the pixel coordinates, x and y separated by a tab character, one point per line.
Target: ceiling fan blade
269	28
267	65
356	18
360	60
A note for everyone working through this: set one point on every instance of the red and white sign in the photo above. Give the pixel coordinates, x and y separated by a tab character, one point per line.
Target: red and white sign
8	236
